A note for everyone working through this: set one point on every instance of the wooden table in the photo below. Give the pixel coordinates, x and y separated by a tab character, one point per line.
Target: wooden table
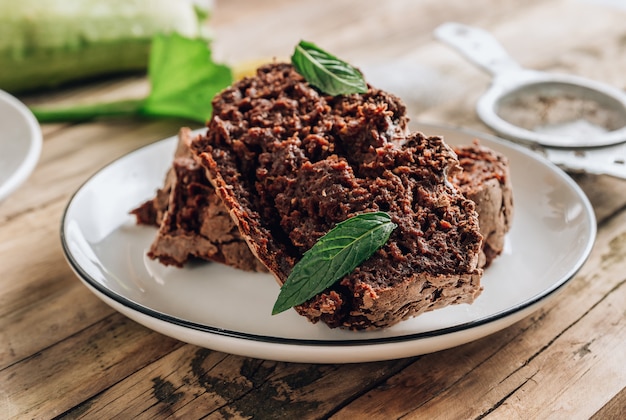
65	353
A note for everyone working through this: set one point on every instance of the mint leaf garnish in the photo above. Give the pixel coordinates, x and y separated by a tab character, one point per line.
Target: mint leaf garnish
327	72
333	256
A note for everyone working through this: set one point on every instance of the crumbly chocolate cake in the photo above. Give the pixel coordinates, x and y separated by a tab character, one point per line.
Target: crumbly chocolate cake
192	220
290	163
153	211
486	181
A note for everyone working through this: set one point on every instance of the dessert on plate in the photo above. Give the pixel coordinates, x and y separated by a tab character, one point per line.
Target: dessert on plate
281	164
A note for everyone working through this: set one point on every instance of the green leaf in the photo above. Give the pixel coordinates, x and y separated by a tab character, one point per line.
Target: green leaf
333	256
183	79
84	112
327	72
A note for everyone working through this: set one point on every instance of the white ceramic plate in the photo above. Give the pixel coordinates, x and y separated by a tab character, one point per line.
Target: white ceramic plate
224	309
20	143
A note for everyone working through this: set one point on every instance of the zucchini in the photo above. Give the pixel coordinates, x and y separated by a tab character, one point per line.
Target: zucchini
46	43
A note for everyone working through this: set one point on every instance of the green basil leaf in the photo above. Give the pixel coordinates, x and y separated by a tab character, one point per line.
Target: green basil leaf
326	72
333	256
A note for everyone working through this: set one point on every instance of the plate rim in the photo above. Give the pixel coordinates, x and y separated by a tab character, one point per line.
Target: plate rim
35	141
350	343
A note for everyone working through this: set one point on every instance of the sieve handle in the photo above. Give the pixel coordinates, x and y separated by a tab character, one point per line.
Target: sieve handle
609	160
478	46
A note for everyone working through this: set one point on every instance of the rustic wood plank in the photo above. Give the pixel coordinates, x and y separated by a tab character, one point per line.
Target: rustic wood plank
66	308
193	382
387	28
589	352
63	352
48	304
45	384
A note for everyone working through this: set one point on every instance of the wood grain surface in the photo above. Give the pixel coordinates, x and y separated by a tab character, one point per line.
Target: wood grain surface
65	354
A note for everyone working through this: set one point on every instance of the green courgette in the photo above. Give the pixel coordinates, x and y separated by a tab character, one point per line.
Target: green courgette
45	43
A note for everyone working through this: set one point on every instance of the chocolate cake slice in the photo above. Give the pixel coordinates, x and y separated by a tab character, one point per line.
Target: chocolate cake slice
486	181
153	211
193	222
289	163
